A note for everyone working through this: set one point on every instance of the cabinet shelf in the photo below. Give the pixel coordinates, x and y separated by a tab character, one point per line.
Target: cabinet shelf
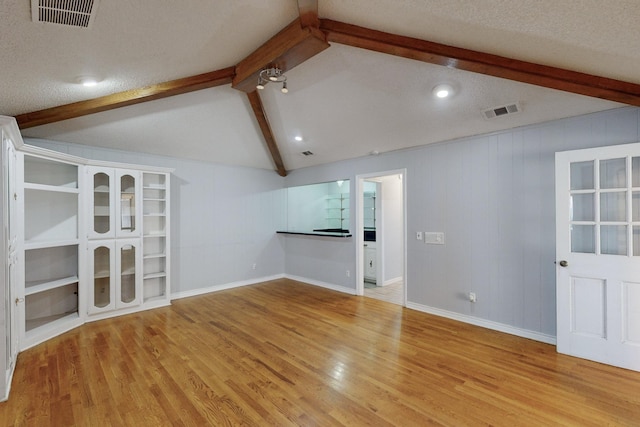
102	275
152	256
151	235
52	188
128	272
45	285
155	226
155	298
46	323
29	245
50	172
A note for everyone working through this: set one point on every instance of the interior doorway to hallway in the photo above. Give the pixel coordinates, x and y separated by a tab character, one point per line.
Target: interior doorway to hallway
381	236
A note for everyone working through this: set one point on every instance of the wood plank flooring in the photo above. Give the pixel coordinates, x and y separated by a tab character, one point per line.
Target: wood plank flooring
284	353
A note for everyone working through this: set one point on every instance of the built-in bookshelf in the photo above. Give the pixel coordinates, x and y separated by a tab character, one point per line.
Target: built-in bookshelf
155	202
51	204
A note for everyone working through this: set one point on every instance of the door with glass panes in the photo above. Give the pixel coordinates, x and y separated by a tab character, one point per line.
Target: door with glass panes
598	254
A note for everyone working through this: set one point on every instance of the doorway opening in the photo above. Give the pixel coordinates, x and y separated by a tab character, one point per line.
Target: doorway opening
381	236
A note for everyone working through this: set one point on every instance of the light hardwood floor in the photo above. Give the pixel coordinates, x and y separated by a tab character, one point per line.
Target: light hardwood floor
284	353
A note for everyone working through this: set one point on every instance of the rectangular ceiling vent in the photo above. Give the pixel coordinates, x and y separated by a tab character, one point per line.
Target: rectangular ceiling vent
72	13
503	110
307	153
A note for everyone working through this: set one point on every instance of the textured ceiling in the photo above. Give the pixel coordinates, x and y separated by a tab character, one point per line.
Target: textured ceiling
345	102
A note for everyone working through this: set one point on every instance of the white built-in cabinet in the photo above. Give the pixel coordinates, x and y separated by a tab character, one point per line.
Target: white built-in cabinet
81	240
155	228
49	255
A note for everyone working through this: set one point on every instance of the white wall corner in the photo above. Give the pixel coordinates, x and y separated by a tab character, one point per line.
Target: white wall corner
343	289
225	286
392	281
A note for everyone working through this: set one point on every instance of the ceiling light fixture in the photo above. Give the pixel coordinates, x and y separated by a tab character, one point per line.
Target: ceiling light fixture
443	91
298	138
273	74
87	81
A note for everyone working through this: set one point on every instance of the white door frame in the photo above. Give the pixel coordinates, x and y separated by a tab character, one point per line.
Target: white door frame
359	231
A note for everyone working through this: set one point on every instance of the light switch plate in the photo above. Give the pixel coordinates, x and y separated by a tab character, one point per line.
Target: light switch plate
434	238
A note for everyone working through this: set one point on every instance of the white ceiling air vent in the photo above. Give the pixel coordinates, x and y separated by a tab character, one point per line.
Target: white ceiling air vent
307	153
503	110
73	13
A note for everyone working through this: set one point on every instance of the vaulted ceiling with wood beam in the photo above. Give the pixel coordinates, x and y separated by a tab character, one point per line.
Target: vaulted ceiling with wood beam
180	80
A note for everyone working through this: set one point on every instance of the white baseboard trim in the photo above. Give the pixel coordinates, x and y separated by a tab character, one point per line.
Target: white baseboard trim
489	324
331	286
131	310
225	286
392	281
7	381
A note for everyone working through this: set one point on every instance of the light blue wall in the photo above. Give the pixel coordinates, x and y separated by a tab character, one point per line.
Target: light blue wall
493	197
222	218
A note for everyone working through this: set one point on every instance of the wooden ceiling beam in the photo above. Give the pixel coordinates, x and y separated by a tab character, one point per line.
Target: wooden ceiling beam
483	63
129	97
265	127
293	45
308	10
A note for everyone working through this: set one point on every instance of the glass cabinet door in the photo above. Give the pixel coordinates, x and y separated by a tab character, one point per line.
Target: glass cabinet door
102	268
127	211
129	273
102	204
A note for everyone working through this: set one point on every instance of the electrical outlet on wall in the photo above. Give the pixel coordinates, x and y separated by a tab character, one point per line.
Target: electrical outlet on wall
348	273
472	297
254	266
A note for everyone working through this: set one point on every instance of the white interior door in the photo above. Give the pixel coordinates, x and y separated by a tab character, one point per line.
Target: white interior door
598	254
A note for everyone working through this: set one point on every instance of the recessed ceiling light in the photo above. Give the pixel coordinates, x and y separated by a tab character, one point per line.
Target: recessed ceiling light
87	81
443	91
298	138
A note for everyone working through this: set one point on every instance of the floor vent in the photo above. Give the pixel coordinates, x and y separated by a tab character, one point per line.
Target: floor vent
307	153
72	13
503	110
